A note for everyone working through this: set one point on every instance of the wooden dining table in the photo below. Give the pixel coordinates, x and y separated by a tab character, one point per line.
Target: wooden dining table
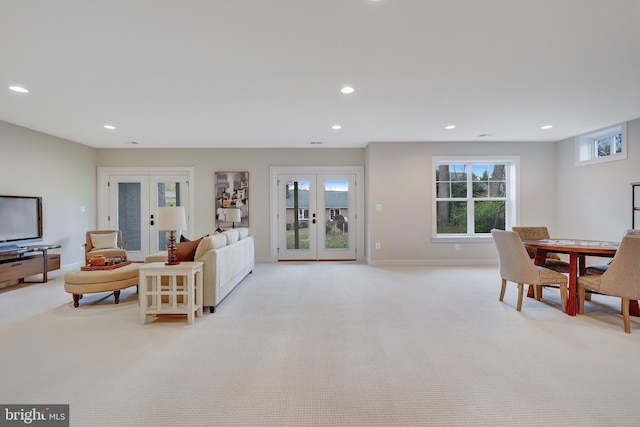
577	249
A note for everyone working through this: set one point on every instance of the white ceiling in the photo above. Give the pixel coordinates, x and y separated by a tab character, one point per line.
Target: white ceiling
258	73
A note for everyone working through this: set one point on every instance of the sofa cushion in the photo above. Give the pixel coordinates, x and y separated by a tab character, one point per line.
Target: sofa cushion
232	236
219	241
185	251
210	242
104	240
242	233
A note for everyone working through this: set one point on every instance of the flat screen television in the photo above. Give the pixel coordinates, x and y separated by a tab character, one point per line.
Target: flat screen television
20	220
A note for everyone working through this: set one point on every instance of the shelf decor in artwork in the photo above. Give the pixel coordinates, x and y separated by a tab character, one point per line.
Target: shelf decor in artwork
232	192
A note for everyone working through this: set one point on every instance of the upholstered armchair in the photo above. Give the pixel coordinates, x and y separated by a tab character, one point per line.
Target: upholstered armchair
601	268
516	266
621	279
107	243
553	261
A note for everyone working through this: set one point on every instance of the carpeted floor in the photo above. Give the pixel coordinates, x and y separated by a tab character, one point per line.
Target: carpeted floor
325	344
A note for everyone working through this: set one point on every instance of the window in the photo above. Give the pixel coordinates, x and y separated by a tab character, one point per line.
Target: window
303	214
603	145
333	212
473	196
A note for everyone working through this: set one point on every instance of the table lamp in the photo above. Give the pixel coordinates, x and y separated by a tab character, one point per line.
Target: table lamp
172	218
233	215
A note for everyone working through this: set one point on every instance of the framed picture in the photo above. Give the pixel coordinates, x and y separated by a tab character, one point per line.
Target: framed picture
232	192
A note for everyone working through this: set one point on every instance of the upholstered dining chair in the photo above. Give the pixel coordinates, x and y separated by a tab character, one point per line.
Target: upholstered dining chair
601	268
516	266
553	261
621	278
104	242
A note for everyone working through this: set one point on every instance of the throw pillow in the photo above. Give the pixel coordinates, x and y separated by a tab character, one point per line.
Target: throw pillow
185	251
104	240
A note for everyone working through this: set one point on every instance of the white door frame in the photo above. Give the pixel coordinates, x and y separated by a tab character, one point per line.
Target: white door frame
104	173
302	170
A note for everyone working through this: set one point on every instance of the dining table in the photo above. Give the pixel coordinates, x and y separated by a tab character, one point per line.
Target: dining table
577	249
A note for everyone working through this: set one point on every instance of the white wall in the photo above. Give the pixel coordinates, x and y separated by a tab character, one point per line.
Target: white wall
582	202
63	173
256	161
594	201
399	177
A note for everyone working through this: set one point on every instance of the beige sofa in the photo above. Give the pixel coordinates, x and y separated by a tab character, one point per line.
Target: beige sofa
228	258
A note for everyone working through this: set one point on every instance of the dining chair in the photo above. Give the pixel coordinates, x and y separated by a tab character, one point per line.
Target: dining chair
599	269
621	278
553	261
516	266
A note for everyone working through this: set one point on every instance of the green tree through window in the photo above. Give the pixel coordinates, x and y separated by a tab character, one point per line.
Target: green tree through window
476	191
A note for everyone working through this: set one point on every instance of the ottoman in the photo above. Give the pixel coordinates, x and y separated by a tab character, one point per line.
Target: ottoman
78	282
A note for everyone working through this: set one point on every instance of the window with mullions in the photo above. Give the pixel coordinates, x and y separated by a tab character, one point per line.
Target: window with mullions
602	145
472	197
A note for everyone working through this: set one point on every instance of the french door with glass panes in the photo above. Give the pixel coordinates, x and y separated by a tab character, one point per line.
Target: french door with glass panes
316	217
133	209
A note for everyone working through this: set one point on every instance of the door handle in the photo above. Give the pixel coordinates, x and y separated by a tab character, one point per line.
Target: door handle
151	222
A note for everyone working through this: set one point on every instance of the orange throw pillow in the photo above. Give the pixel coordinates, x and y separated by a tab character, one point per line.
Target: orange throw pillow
185	251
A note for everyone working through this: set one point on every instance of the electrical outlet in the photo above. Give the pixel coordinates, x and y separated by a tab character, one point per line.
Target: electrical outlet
377	245
457	246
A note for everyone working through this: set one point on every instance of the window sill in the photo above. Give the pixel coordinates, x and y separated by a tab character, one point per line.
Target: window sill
463	239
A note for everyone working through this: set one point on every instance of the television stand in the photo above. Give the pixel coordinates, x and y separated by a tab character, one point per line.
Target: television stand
28	261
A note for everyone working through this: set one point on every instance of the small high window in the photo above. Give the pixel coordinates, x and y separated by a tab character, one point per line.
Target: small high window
603	145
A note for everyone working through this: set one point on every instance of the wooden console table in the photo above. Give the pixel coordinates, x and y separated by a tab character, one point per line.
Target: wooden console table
18	265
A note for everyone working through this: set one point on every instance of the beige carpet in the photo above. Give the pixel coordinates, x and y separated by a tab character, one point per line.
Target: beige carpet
325	344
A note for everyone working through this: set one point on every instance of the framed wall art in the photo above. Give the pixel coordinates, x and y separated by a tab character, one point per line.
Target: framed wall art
232	195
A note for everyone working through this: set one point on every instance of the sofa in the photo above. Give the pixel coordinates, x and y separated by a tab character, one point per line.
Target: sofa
228	258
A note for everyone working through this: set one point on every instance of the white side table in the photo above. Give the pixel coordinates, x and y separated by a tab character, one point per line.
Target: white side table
151	290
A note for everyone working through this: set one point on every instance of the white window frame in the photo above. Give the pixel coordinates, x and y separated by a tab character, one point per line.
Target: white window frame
585	147
512	199
303	214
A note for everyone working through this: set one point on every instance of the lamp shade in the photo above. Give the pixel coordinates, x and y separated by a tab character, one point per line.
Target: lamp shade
233	215
172	218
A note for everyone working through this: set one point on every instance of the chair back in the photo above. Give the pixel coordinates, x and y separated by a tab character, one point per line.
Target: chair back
622	278
88	247
515	264
534	233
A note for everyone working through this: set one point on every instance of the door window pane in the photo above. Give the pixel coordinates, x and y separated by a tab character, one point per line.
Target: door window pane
168	195
130	214
297	214
336	205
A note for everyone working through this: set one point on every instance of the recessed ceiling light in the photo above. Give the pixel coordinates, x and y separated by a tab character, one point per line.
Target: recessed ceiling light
110	127
336	127
315	142
450	127
19	89
545	127
347	89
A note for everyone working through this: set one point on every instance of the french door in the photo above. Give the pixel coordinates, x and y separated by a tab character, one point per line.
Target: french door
132	207
317	217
